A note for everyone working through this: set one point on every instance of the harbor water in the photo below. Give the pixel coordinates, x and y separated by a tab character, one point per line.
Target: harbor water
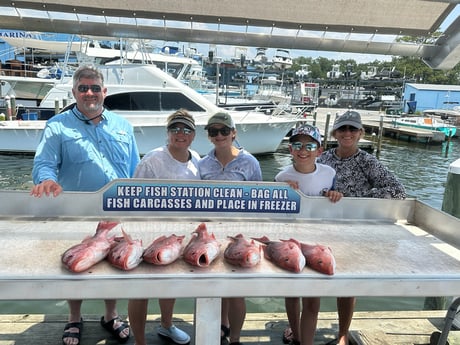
422	168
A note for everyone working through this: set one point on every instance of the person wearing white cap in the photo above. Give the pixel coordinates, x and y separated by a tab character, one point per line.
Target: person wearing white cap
227	162
178	162
312	179
359	174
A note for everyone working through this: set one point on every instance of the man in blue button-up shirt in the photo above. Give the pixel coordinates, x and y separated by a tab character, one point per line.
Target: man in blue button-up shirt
82	149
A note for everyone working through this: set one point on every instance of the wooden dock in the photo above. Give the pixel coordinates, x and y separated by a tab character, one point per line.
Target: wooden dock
371	123
399	132
367	328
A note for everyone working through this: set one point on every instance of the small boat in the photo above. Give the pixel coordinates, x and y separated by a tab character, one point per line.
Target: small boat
430	123
272	89
335	73
282	59
30	82
260	58
303	72
450	115
369	74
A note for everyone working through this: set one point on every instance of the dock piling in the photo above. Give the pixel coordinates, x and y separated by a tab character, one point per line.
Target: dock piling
326	129
56	106
379	138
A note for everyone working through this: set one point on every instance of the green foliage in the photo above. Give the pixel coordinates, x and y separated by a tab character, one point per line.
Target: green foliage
412	68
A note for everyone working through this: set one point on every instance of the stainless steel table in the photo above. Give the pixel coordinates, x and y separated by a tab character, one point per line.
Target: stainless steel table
382	247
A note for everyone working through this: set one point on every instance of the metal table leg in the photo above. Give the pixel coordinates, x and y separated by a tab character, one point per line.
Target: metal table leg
207	321
448	321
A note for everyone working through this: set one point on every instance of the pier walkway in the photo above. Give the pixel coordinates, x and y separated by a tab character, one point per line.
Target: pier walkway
367	328
371	124
418	134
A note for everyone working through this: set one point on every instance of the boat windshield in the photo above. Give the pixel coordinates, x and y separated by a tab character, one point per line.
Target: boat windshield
151	101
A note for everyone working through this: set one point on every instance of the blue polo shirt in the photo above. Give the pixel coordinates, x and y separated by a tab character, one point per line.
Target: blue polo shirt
81	156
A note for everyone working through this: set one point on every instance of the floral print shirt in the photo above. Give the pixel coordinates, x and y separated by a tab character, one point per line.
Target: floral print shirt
363	175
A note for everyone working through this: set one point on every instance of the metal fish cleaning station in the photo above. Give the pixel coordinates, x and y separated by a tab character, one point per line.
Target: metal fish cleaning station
382	247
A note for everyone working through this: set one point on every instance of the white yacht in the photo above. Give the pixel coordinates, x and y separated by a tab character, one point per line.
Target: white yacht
146	96
29	82
282	59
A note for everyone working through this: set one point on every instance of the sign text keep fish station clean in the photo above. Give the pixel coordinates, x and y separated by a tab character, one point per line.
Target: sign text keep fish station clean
204	198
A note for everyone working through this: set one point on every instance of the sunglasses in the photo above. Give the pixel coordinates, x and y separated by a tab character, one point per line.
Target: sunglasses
348	128
213	132
297	146
177	130
93	88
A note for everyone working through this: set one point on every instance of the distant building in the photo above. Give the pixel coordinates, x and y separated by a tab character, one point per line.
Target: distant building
420	97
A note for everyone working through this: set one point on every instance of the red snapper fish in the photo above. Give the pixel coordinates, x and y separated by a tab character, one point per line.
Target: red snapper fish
202	248
125	253
319	258
284	253
91	250
164	250
241	252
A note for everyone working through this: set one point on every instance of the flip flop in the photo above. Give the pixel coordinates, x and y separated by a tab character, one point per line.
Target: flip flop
76	335
225	332
108	326
287	335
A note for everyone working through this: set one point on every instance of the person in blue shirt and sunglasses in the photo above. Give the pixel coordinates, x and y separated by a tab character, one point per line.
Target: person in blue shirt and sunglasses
83	149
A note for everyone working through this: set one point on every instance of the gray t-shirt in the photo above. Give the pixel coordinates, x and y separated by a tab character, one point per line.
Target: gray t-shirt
245	167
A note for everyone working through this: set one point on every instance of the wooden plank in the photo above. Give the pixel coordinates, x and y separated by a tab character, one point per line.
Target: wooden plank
368	338
410	133
376	328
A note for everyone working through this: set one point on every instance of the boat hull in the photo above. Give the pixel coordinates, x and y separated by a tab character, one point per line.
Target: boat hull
146	96
428	124
257	138
448	131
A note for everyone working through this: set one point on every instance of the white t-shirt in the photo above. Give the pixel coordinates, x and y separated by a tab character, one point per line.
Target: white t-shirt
311	184
159	163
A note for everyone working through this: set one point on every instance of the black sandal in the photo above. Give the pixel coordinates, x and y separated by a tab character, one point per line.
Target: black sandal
108	326
76	335
225	332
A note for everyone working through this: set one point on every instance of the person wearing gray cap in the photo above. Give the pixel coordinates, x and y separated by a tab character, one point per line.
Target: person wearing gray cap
174	161
358	174
227	162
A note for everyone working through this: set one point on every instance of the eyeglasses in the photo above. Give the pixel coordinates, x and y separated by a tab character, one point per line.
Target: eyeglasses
297	146
348	128
177	130
85	88
213	132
